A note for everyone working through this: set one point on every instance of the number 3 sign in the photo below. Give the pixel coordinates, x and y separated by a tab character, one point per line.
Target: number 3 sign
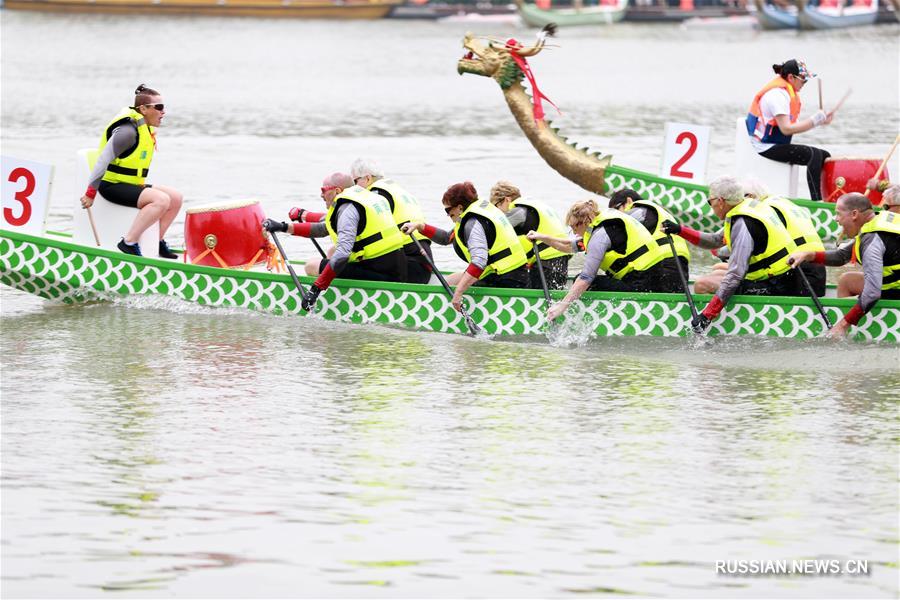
25	194
686	152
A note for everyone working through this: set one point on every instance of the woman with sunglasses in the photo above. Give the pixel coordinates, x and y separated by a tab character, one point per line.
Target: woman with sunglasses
126	151
774	118
525	215
483	237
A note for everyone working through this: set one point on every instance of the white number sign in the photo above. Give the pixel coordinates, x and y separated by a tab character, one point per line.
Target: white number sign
686	152
25	194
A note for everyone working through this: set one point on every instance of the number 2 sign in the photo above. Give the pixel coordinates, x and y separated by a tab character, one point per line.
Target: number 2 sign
686	152
25	194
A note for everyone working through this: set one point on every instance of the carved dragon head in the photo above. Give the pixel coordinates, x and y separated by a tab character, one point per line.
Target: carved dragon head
494	59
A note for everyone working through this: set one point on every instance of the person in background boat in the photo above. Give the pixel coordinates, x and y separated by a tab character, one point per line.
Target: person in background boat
774	118
618	244
368	244
532	215
405	208
126	151
759	244
651	215
482	236
853	282
876	245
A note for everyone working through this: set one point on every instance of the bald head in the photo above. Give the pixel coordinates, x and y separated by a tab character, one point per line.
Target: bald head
854	201
338	180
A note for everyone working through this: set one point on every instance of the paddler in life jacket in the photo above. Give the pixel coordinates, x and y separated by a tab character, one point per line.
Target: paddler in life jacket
368	244
126	151
877	247
651	215
774	117
483	237
404	207
616	243
759	244
527	215
852	283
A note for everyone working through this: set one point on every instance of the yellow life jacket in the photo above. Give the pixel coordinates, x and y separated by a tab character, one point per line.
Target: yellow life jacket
377	233
798	223
770	261
548	223
887	225
505	253
638	251
134	163
681	246
404	205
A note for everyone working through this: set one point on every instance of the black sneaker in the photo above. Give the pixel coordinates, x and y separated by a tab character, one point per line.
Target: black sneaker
129	248
164	251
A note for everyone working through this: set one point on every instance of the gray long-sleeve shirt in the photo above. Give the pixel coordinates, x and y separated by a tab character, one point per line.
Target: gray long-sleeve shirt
738	263
476	241
871	248
123	137
597	247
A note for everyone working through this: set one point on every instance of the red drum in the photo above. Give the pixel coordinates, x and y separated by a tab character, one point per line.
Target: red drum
844	175
229	234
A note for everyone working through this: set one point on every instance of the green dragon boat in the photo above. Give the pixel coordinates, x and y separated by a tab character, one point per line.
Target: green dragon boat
594	171
53	267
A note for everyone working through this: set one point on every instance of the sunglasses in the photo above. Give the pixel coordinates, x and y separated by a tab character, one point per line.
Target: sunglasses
448	209
711	200
356	180
329	188
160	107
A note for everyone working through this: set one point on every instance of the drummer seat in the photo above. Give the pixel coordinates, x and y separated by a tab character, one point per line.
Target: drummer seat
112	220
781	179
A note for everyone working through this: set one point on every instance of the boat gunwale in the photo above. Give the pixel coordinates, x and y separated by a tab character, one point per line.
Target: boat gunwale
420	288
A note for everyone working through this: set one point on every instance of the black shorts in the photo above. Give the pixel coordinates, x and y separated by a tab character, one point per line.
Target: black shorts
517	278
124	194
387	267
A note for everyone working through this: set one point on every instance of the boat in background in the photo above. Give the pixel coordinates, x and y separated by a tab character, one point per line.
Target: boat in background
773	17
833	14
541	13
416	9
303	9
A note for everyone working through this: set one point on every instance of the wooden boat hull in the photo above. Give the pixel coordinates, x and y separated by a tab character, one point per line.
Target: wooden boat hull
305	9
591	15
54	268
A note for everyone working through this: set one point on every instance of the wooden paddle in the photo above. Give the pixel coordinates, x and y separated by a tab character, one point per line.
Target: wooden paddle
540	268
684	279
474	329
821	104
815	298
288	265
880	169
94	225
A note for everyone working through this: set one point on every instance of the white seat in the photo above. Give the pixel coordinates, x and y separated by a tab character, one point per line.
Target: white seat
112	220
781	179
